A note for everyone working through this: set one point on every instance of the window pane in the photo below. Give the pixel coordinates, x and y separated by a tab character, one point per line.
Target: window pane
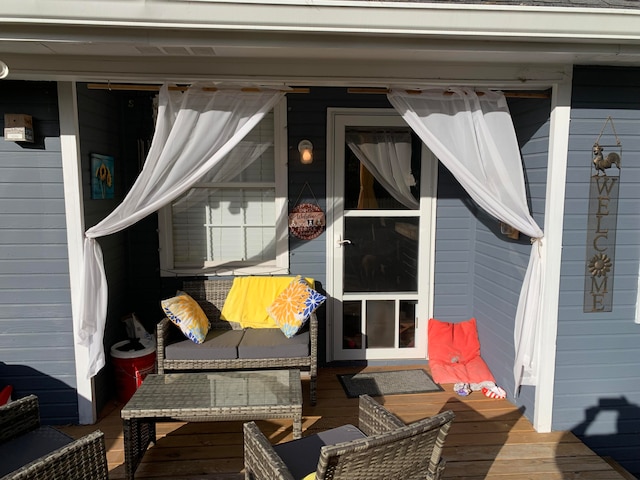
217	225
351	325
189	240
407	323
382	255
381	320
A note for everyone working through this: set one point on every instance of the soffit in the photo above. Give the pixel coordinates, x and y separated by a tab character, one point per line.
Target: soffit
75	39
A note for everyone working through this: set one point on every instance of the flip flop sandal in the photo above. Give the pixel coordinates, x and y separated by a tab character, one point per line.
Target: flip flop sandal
494	392
462	389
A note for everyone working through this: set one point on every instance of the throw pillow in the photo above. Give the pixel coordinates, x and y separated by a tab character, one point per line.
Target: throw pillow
185	313
293	307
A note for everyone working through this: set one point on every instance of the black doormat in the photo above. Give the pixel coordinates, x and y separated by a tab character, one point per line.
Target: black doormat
390	382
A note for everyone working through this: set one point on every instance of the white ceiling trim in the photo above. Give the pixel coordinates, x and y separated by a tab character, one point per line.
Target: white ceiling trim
272	71
406	18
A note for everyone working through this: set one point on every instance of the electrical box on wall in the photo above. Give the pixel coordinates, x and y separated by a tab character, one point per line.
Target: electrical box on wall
18	127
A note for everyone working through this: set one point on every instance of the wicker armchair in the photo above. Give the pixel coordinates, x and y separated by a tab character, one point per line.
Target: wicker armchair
34	452
383	447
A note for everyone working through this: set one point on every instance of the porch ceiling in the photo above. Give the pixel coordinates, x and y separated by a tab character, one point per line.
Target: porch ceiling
312	42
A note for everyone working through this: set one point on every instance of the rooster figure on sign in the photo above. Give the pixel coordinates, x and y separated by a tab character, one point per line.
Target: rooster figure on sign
601	162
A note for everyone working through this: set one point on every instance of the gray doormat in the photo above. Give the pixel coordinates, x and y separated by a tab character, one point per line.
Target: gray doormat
391	382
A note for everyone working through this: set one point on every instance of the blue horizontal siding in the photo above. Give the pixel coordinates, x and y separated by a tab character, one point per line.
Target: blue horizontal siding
32	252
597	390
51	236
55	325
36	334
42	266
34	296
11	220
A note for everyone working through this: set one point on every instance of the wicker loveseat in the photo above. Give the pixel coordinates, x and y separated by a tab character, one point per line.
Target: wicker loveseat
29	451
228	349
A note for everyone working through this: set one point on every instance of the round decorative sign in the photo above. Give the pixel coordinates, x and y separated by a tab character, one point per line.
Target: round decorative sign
306	221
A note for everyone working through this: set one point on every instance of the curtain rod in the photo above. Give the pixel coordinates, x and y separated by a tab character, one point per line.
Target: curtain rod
513	94
155	88
356	90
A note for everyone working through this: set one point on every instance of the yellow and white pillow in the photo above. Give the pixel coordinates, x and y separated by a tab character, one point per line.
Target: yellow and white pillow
185	313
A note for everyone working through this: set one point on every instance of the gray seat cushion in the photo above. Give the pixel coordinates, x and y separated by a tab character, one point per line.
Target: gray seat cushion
271	343
301	456
31	446
219	345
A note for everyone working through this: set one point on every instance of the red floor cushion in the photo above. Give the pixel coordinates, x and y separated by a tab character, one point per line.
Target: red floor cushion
454	353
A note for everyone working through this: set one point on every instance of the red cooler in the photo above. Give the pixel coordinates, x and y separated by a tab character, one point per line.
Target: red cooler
131	366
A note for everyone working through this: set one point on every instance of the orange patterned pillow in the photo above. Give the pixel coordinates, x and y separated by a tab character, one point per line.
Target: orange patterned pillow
185	312
293	307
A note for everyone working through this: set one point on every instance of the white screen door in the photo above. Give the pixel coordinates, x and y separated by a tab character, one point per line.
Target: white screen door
379	249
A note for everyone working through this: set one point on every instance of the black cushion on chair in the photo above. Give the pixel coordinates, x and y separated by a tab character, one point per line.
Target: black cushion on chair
302	456
29	447
271	343
218	345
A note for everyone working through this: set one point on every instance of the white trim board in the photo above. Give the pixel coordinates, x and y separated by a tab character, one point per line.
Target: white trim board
553	230
74	212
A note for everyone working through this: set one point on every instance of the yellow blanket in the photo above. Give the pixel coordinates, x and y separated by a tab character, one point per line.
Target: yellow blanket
249	298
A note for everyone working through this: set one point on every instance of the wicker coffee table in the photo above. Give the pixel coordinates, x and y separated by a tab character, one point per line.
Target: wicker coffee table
205	397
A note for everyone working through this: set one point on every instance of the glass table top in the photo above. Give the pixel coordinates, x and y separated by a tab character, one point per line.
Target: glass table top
207	390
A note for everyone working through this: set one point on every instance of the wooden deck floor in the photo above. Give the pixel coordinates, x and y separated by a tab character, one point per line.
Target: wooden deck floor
489	439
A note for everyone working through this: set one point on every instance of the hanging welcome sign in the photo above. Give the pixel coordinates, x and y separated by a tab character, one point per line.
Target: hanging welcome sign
601	225
306	220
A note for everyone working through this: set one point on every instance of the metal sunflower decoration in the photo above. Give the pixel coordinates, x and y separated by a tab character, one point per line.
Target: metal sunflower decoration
599	265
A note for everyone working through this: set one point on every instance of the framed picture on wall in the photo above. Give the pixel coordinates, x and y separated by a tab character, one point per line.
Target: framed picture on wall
101	176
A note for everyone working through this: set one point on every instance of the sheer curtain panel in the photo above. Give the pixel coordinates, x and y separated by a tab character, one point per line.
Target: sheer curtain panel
240	158
472	134
195	131
387	156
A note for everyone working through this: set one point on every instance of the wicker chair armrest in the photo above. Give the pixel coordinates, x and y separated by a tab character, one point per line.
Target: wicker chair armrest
164	337
439	470
313	322
313	337
444	420
163	330
19	417
374	419
81	459
260	459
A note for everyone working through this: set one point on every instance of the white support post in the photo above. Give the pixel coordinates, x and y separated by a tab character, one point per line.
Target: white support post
72	175
553	225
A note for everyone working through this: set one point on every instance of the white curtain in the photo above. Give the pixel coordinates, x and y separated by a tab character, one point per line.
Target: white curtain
231	166
387	156
472	134
195	130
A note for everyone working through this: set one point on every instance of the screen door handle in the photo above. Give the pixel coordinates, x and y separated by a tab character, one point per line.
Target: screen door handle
343	242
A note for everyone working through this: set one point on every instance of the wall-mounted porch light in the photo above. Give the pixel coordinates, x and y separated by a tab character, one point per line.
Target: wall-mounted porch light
305	147
4	70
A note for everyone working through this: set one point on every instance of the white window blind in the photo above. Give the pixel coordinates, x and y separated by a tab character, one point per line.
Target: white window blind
229	219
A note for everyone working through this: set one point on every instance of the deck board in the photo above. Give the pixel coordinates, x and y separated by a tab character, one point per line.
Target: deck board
489	439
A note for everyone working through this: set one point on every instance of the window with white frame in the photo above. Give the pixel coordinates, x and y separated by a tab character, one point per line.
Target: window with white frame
234	219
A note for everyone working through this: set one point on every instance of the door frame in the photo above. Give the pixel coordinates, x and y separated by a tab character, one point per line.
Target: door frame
429	180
